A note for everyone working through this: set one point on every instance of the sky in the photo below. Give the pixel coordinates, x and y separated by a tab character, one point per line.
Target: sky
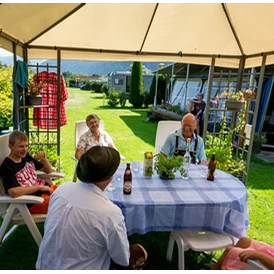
4	53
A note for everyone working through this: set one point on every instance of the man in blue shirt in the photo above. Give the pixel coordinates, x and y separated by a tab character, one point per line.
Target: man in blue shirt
175	143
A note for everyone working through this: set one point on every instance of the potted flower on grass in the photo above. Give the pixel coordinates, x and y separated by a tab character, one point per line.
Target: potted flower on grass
33	95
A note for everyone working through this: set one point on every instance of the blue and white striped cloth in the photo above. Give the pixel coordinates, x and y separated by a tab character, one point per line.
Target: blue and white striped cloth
156	204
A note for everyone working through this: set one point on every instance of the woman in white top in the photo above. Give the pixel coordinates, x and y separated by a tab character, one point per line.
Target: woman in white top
93	137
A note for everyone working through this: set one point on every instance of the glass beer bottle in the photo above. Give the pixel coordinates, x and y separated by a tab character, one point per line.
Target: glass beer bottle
211	168
127	180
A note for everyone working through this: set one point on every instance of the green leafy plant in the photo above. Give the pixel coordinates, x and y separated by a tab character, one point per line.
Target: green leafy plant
122	99
168	165
259	138
47	144
222	145
35	88
113	98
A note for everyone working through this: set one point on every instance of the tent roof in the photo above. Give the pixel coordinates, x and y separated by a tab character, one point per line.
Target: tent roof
177	32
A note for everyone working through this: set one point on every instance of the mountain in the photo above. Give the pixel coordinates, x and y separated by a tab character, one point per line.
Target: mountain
87	67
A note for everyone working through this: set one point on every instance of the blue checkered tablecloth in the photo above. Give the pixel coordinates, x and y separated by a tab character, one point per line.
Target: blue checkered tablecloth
156	204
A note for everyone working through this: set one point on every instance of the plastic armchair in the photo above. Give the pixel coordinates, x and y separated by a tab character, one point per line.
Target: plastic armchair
80	128
164	128
14	211
197	241
256	265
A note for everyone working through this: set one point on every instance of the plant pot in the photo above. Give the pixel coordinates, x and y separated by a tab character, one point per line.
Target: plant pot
165	177
233	105
32	100
256	149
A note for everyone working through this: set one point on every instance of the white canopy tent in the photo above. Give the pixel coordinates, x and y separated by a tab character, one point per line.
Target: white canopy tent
230	35
177	32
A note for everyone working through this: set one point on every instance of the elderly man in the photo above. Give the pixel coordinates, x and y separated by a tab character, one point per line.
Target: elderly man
175	143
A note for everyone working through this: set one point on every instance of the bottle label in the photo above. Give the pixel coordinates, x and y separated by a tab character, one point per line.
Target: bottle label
127	186
148	164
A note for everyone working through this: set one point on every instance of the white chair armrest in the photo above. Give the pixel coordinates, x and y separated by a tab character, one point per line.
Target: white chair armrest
122	157
74	159
30	199
257	265
51	175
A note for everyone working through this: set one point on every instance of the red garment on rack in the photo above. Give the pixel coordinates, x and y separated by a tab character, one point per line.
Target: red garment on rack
46	118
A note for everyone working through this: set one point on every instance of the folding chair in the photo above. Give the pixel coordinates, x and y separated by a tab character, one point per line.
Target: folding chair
197	241
164	128
14	211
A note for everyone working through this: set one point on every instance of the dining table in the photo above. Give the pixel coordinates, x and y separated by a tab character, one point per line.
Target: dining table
157	204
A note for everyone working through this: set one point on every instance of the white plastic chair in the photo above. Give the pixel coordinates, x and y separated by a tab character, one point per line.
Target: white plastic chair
14	211
197	241
80	128
164	128
256	265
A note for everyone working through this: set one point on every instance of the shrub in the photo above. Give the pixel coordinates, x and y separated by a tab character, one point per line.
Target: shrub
113	98
136	92
96	86
122	99
104	89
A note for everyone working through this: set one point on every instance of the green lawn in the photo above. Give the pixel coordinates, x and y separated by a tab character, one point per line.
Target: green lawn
133	136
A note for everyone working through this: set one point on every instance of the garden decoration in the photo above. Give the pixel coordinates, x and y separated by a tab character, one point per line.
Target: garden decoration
33	95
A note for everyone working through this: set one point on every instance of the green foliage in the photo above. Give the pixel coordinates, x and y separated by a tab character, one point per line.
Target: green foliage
146	99
259	138
168	165
46	143
104	89
136	92
161	89
122	99
222	145
6	97
113	98
96	86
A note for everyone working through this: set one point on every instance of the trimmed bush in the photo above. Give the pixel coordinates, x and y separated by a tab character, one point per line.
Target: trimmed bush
136	92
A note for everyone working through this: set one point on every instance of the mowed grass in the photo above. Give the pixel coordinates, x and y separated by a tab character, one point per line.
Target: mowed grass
133	136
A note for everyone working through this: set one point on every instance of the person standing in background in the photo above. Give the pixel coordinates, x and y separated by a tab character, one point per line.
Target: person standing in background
197	107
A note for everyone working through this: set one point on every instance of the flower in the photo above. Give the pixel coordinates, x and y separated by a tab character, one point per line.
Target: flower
36	88
249	94
236	96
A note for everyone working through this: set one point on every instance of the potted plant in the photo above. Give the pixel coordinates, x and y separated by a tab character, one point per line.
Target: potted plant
258	140
235	100
33	95
167	166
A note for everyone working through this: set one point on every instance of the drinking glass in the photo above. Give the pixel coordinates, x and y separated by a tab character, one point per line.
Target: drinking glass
110	186
119	176
204	168
135	166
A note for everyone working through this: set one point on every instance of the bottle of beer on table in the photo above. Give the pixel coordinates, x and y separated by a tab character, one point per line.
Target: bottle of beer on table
127	180
211	168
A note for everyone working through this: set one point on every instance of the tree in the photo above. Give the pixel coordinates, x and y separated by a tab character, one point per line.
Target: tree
6	97
161	89
136	91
